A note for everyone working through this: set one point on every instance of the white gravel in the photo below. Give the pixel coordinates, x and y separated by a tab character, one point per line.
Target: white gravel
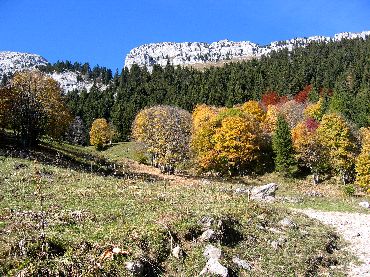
355	228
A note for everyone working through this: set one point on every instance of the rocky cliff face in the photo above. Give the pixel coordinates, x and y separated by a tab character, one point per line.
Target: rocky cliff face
198	52
11	62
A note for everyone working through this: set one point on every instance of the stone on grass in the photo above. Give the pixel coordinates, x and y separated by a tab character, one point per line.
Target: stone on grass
208	235
177	252
135	267
242	263
212	252
213	266
264	193
206	221
364	204
287	223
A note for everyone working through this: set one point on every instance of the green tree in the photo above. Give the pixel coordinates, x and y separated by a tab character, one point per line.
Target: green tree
283	148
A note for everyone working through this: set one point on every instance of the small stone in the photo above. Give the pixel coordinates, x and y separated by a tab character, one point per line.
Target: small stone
275	244
242	191
242	263
177	252
135	267
212	252
364	204
208	235
206	221
287	222
213	266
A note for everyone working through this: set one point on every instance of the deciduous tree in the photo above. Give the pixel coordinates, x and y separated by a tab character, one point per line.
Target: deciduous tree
100	133
363	161
335	135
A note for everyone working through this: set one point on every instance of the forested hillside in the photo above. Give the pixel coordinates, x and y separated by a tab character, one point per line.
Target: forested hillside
341	69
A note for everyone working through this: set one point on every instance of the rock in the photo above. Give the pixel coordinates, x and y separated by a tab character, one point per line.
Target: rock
242	191
275	244
136	267
198	52
212	252
177	252
364	204
242	263
206	221
265	193
287	223
208	235
213	266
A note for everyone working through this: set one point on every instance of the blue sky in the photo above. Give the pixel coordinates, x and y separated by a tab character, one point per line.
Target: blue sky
103	32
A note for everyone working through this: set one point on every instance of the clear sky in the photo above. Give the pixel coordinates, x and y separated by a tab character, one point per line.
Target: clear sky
103	32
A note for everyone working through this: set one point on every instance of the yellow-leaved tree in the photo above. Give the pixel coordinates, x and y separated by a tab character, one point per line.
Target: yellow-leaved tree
335	135
225	140
100	133
315	110
36	107
254	109
363	161
203	129
165	133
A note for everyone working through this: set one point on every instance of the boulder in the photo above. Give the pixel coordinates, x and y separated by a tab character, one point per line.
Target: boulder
265	192
212	252
364	204
206	222
177	252
242	263
135	267
213	266
208	235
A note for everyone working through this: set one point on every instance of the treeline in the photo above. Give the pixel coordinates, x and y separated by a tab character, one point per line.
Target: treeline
342	69
100	74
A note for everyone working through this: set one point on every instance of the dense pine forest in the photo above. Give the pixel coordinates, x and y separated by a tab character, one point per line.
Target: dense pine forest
339	69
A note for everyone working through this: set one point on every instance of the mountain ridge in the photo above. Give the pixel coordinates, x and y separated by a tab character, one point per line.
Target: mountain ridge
189	53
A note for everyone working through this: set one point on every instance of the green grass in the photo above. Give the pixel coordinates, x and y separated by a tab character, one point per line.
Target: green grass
88	211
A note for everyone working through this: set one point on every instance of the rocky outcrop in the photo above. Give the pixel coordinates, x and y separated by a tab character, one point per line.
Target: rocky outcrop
187	53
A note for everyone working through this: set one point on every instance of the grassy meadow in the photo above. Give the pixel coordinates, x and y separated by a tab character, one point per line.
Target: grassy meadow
63	209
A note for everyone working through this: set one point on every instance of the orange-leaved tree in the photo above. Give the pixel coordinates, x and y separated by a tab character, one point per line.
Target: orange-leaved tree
310	152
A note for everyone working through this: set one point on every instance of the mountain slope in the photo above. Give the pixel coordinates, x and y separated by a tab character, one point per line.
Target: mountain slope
199	52
11	62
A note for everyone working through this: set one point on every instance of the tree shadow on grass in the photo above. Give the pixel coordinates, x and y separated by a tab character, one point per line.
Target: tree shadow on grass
69	158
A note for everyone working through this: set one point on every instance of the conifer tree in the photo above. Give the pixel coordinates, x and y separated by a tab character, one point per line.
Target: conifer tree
283	148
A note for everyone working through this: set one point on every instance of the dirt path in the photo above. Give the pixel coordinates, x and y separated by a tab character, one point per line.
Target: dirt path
355	228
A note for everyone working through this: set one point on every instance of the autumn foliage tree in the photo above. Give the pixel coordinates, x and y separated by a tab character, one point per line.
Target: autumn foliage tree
100	133
165	132
363	161
227	140
35	107
335	135
310	152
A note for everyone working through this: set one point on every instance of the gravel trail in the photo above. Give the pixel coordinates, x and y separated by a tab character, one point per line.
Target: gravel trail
355	228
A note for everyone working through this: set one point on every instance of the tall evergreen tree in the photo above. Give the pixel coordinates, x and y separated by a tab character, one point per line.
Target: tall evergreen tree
283	148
